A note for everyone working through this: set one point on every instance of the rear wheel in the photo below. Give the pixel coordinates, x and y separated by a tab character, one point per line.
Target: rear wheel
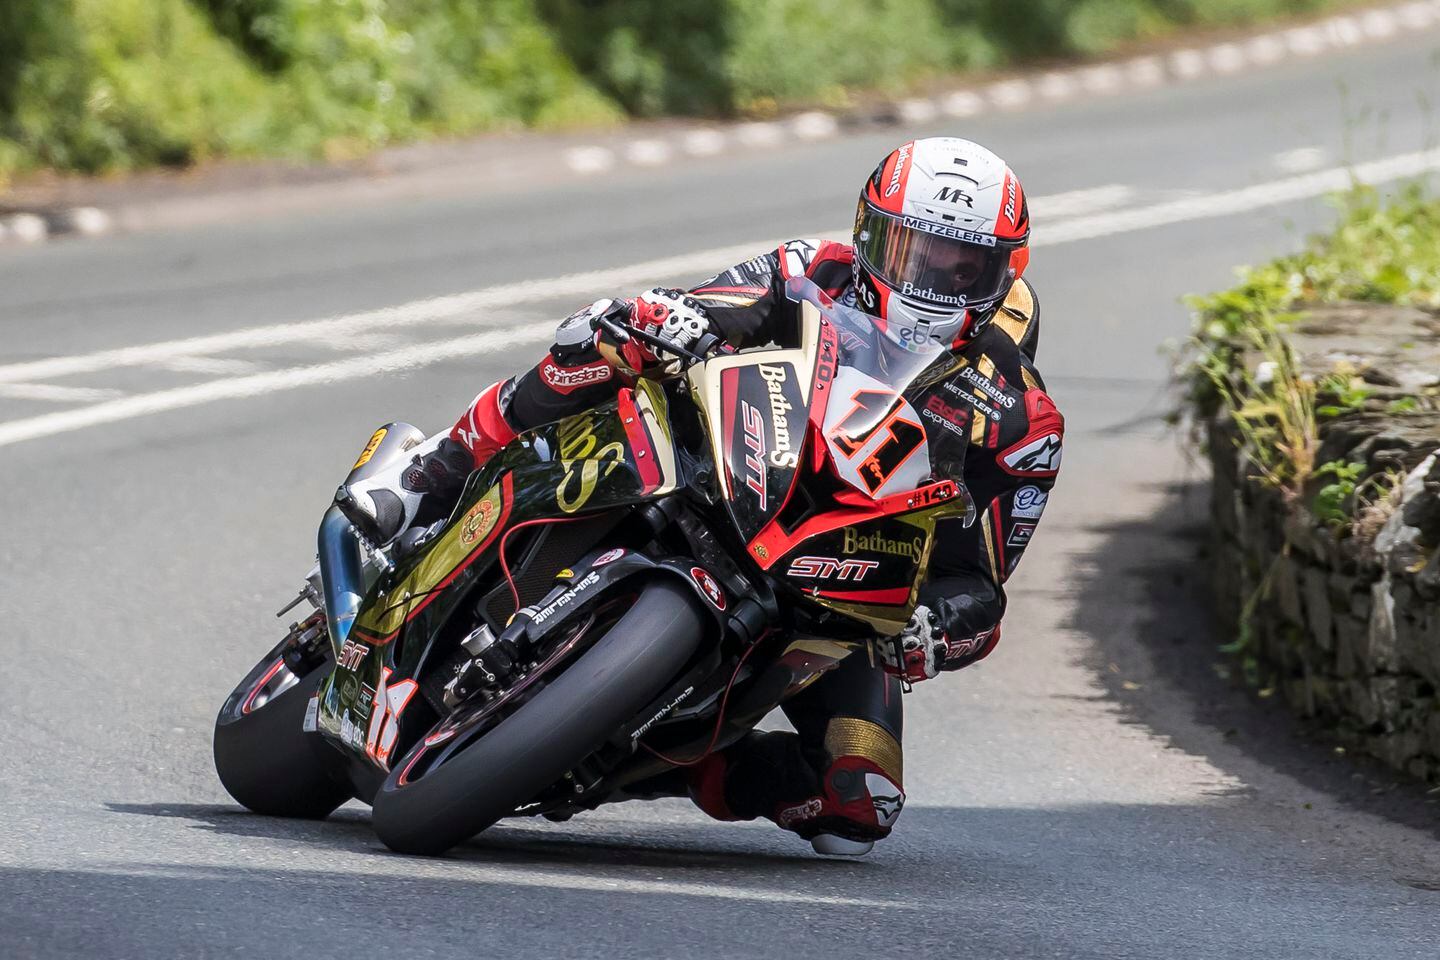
428	807
263	755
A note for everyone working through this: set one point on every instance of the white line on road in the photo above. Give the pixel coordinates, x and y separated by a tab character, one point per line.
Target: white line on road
56	393
442	309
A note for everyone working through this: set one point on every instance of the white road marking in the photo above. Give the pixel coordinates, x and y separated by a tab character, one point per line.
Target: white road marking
648	153
57	393
1242	201
759	134
1057	85
1300	160
1146	71
961	104
213	365
590	159
446	309
469	872
703	143
1009	94
917	111
815	125
434	310
1077	203
1187	64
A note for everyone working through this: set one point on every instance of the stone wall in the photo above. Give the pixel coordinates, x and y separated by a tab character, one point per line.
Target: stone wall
1344	618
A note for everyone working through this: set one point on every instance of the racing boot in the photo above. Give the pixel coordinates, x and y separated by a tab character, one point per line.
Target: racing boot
424	487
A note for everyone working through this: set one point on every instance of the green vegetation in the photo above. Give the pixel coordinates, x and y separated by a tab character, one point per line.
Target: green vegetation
1241	364
96	85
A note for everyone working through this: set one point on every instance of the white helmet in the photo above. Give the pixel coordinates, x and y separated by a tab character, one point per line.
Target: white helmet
941	234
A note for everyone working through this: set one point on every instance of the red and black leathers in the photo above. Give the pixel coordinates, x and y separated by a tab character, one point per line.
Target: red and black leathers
842	773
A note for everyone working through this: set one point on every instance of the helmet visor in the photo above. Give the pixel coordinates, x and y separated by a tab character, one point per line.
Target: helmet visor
943	266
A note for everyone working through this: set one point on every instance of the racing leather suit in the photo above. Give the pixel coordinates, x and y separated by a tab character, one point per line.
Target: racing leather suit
841	772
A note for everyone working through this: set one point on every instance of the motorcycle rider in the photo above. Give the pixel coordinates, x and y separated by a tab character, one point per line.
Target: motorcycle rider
939	248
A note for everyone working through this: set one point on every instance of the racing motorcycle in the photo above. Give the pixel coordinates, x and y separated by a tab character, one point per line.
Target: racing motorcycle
615	596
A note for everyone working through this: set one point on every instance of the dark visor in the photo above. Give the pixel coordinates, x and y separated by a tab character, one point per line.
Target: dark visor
933	263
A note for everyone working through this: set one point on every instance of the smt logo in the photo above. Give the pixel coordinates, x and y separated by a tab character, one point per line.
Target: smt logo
829	568
753	424
708	586
352	654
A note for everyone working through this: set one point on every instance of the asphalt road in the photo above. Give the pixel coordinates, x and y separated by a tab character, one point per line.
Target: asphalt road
1066	797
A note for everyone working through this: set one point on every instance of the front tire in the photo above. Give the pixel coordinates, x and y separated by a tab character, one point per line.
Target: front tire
548	735
264	757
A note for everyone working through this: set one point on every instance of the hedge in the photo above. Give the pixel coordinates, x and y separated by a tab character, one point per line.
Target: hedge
97	85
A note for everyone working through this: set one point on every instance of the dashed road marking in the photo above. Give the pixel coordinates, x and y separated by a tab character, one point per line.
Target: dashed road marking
1087	220
1299	160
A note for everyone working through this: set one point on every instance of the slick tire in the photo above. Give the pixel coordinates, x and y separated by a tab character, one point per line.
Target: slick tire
547	736
267	761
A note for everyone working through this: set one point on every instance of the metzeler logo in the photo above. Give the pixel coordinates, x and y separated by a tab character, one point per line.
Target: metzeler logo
876	543
774	377
954	233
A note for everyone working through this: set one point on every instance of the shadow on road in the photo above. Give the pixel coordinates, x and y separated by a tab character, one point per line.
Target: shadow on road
1168	679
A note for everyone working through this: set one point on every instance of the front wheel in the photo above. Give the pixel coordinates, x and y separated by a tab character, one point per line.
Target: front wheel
548	735
263	755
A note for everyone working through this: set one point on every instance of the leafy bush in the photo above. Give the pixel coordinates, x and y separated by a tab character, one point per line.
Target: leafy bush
103	84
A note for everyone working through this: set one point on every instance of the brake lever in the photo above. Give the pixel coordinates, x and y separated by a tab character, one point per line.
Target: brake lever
624	334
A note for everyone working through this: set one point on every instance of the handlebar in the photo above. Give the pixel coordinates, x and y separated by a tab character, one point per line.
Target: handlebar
705	347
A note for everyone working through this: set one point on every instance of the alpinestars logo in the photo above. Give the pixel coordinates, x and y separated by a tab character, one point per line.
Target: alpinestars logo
887	798
1041	455
572	378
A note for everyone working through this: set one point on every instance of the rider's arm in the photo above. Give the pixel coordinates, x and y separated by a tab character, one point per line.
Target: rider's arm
747	303
1011	483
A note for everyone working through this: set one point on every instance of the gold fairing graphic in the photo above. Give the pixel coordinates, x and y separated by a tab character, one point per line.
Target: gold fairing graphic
385	613
852	737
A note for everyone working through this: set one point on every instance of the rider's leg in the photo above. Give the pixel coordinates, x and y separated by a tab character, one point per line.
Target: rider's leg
839	775
424	487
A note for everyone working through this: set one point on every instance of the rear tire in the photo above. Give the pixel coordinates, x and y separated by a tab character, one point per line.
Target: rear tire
266	760
547	736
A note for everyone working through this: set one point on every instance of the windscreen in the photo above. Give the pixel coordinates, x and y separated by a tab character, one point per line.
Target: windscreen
881	439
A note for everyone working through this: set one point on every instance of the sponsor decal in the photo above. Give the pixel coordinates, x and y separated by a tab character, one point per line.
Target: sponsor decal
312	715
708	586
366	699
351	734
962	648
954	419
661	714
478	521
566	379
798	254
886	796
352	654
1041	455
855	542
370	448
384	727
752	423
808	810
955	195
775	377
565	599
945	230
1010	198
609	556
928	293
762	551
985	409
1029	503
829	568
987	387
901	157
350	688
586	461
1020	534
